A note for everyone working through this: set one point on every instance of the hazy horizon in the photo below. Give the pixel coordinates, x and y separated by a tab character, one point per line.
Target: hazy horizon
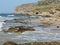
8	6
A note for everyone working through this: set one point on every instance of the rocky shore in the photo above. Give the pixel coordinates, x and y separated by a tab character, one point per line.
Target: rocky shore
47	21
40	21
33	43
49	11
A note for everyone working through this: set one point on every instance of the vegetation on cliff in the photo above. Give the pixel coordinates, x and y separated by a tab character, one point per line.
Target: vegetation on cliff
40	6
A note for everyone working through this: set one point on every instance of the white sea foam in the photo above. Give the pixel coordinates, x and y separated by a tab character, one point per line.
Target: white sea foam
0	16
1	25
10	15
9	18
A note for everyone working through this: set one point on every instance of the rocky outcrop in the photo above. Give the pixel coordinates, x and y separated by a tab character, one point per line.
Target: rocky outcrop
33	43
19	29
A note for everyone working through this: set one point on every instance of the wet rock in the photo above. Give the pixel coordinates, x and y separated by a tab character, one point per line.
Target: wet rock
42	43
15	19
5	20
33	43
10	30
58	26
36	43
22	29
19	29
10	43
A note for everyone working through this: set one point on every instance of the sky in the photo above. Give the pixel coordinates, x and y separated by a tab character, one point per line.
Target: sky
8	6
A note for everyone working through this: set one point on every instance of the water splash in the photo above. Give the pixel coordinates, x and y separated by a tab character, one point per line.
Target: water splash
1	25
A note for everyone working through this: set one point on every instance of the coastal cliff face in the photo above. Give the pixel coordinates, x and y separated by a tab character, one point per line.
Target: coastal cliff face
24	8
39	7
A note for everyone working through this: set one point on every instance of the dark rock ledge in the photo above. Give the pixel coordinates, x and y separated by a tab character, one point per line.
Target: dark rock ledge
19	29
33	43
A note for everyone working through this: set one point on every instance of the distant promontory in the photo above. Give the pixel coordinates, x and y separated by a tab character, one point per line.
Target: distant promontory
43	6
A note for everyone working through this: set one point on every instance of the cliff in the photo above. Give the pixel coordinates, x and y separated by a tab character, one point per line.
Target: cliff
39	7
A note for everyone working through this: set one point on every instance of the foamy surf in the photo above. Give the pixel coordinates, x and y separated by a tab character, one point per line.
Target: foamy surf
1	25
0	16
10	15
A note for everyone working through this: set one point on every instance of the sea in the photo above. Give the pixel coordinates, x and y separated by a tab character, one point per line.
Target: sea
7	20
10	19
4	17
41	34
